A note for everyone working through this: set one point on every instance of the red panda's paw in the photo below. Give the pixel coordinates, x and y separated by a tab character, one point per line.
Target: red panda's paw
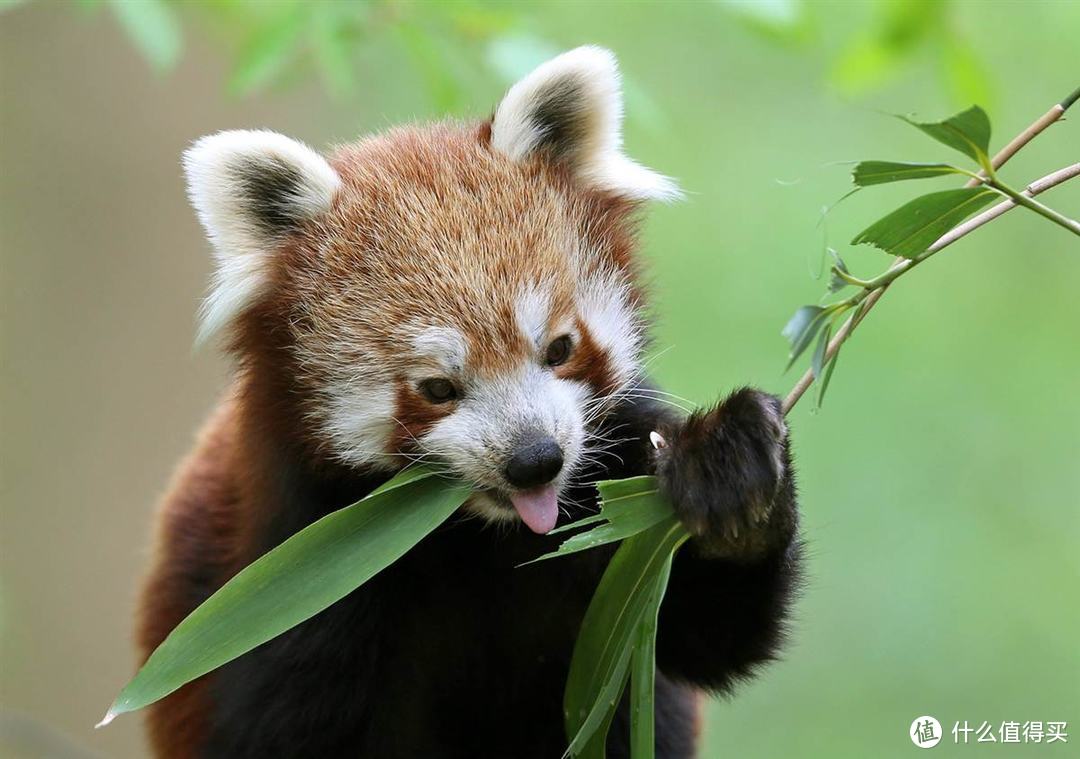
727	471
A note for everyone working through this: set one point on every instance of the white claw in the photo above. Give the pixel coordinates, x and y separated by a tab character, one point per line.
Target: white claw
657	440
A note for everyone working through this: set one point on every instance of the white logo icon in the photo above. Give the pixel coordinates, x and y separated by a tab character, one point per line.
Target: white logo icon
925	732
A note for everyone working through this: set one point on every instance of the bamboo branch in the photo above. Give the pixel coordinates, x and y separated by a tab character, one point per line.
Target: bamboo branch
1022	139
902	264
1039	185
1025	200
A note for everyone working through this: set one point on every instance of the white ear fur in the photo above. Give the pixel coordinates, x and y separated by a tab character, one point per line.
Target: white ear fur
250	189
572	106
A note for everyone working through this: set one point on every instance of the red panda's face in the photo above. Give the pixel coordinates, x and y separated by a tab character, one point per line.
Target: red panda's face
456	295
463	308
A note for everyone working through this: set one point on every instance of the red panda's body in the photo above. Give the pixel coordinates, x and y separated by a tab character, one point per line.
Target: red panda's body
467	295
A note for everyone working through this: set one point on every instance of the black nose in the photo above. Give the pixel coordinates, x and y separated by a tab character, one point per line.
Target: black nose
536	462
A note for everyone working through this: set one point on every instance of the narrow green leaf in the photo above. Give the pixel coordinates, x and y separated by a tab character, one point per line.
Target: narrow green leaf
295	581
643	674
799	322
968	132
801	329
153	27
823	384
818	359
613	490
627	507
868	173
836	282
590	741
609	629
912	228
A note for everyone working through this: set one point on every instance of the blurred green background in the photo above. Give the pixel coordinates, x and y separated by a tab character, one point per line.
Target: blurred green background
939	482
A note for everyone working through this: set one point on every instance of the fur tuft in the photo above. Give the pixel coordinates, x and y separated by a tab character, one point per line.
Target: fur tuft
571	109
250	190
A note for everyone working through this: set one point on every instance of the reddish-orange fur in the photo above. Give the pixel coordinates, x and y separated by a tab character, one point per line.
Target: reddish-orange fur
197	527
334	278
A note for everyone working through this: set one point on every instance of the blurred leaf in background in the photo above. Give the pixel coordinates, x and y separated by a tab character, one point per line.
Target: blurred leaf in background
783	21
274	43
900	37
153	28
271	46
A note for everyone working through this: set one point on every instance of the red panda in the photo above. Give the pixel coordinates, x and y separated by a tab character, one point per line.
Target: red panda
466	295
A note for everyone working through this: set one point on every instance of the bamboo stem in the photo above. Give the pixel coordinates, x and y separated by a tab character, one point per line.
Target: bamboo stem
901	264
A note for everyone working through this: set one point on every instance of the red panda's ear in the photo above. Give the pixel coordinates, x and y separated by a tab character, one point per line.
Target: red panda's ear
250	190
570	110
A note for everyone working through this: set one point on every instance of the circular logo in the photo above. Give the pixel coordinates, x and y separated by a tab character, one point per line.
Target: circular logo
925	732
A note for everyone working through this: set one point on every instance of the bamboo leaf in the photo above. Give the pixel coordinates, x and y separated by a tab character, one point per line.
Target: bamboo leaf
643	674
153	27
801	329
590	741
608	632
627	507
818	359
912	228
968	132
295	581
824	382
836	282
867	173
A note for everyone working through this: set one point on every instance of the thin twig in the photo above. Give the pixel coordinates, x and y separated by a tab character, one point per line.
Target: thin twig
1027	135
1025	200
901	264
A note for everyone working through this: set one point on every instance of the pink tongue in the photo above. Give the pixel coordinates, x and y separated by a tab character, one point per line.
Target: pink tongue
539	508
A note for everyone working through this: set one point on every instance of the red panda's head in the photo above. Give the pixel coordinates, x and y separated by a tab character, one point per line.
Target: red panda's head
460	294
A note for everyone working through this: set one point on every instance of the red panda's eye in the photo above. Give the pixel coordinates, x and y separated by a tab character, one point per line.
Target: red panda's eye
558	351
438	390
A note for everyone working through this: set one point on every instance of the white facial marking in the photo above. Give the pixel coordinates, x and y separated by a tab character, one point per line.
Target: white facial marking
532	308
445	347
603	303
359	421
